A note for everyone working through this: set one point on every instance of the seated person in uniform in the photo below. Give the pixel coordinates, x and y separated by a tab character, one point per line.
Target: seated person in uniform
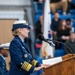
3	54
22	62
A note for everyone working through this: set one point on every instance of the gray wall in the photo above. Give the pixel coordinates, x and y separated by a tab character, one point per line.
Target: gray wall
13	8
15	2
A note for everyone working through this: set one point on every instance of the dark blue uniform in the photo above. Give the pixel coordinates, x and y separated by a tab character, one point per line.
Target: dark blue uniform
22	62
3	70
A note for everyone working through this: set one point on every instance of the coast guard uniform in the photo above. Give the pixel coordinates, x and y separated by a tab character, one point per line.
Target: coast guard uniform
3	70
22	62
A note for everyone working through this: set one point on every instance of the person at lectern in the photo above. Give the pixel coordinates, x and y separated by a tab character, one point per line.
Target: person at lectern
22	62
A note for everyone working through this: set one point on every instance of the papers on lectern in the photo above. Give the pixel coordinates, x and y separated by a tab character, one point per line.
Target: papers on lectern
52	60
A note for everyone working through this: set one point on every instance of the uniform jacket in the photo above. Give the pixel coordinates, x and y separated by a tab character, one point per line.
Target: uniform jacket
3	70
22	62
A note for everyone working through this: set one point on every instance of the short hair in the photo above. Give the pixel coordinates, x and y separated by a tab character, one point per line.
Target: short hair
68	19
15	32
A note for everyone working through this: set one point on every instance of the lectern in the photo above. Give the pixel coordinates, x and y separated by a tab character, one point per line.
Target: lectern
66	67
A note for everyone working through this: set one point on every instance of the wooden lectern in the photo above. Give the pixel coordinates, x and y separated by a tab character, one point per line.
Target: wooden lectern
66	67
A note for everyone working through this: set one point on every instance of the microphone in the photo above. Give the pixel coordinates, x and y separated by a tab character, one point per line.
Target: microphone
43	39
47	40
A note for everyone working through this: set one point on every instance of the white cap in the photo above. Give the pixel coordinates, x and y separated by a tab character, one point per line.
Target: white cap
5	46
21	22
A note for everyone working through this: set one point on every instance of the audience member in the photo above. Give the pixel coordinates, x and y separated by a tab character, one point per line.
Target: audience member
69	25
58	4
38	30
62	33
38	6
55	24
38	26
70	43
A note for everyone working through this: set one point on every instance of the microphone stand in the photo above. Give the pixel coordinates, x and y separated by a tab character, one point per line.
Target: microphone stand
50	43
63	44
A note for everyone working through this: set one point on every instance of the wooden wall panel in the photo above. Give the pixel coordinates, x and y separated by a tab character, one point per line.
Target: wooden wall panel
5	30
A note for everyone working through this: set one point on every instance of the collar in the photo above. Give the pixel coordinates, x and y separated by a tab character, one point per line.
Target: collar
21	39
2	56
24	44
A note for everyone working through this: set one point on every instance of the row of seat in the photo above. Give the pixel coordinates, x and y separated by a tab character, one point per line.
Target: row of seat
72	11
65	16
52	16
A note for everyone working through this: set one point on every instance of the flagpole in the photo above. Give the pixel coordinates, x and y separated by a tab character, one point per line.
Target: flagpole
47	50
